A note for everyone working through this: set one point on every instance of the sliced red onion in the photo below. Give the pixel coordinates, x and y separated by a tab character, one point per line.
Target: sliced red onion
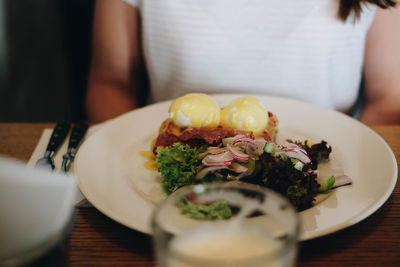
292	146
243	140
342	180
201	174
249	145
222	159
289	147
212	150
238	155
299	156
294	154
297	152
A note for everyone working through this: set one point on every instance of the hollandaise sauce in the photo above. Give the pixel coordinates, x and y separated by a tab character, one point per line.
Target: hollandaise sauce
150	164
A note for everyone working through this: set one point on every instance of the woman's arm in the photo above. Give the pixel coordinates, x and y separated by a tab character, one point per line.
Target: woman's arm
382	69
117	65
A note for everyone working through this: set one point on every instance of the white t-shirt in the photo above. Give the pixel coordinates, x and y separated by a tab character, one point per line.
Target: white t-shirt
292	48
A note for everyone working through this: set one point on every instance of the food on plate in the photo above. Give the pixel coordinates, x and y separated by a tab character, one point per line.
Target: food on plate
195	110
186	124
245	113
236	144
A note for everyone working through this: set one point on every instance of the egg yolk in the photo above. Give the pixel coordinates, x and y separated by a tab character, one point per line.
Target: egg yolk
247	114
195	110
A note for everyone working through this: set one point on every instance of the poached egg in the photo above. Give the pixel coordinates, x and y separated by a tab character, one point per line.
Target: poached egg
245	113
195	110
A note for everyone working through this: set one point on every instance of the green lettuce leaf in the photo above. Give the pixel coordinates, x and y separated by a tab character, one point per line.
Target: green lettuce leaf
178	165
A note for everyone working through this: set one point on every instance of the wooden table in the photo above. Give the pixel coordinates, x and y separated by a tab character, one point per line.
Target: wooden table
98	240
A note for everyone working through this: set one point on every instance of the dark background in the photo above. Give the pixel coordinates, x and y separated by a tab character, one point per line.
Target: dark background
44	59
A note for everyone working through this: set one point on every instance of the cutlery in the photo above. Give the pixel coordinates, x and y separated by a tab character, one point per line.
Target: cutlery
77	134
59	134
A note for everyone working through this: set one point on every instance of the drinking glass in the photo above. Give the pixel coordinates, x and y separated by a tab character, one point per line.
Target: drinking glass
225	224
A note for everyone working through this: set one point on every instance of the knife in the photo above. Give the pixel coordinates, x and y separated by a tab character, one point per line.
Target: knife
59	134
77	134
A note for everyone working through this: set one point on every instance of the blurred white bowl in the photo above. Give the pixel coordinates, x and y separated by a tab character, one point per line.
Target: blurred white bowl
36	209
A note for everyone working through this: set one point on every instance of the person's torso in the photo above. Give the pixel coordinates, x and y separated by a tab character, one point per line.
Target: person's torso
292	48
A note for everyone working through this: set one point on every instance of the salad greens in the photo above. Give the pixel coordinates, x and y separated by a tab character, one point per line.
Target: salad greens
178	165
281	175
214	211
289	169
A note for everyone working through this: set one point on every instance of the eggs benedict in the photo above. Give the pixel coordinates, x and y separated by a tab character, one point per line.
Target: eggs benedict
195	119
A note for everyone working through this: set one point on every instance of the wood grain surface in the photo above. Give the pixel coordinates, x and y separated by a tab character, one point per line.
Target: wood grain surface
97	240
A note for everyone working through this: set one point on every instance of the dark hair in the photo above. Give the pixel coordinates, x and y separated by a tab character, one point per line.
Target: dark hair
354	6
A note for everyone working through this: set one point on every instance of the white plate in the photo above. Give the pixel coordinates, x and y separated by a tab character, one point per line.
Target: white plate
110	169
